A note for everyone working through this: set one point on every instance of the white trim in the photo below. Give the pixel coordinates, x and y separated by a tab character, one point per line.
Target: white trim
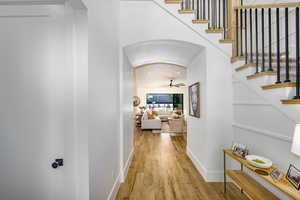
33	2
120	106
25	16
127	165
251	103
209	176
114	191
199	166
263	132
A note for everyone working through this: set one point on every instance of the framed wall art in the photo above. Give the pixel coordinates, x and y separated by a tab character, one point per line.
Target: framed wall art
194	100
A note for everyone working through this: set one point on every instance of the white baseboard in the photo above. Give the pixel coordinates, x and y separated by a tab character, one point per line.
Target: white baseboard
114	191
202	170
208	175
128	163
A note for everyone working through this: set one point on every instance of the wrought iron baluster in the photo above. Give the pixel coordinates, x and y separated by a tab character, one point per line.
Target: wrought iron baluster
287	61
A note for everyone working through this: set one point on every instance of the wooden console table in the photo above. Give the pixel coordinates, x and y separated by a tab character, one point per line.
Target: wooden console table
251	187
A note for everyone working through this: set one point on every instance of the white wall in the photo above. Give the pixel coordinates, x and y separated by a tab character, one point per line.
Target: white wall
37	103
197	127
104	144
219	96
263	128
41	47
127	110
80	46
258	123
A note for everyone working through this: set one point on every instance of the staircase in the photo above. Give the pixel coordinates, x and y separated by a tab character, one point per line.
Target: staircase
265	40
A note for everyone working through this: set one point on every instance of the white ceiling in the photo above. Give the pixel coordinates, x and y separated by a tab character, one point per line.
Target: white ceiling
78	4
31	2
159	75
170	51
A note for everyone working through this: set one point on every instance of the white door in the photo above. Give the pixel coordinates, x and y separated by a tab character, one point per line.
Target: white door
35	107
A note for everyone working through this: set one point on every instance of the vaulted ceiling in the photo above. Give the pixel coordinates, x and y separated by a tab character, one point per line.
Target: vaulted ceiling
159	75
169	51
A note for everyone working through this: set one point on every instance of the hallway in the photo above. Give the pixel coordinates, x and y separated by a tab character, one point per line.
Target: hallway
161	170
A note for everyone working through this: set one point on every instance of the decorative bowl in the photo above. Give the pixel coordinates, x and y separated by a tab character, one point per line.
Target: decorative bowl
259	161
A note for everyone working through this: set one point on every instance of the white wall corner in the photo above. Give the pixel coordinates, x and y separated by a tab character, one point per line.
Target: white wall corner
126	167
209	176
114	191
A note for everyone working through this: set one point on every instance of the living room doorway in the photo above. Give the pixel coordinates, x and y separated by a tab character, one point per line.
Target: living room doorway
161	90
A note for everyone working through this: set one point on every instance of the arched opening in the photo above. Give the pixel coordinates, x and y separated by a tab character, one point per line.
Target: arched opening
153	64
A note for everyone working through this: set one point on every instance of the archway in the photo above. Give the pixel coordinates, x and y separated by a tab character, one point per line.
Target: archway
171	52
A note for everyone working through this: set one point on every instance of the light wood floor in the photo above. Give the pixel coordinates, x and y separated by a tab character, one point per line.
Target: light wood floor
161	170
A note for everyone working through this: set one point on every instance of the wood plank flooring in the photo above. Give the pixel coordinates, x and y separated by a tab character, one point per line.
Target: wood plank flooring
161	170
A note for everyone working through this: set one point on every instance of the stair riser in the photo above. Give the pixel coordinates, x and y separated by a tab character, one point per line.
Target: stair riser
282	69
281	93
246	72
263	80
273	79
252	70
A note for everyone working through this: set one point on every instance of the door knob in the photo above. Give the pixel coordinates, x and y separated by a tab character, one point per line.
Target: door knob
54	165
58	163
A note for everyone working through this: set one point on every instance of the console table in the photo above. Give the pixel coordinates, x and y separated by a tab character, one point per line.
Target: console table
252	188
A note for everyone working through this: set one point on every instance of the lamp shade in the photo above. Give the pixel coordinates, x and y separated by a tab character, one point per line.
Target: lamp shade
296	141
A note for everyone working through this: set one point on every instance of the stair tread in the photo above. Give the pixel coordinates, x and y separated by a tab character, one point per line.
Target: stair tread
200	21
221	30
290	101
173	1
237	58
279	85
186	11
226	41
260	74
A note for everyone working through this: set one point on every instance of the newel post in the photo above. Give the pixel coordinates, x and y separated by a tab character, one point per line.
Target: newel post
233	25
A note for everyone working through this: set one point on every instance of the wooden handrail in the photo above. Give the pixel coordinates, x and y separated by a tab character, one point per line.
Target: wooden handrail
277	5
233	24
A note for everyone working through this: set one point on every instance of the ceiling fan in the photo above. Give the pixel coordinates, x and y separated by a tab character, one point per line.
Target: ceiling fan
175	85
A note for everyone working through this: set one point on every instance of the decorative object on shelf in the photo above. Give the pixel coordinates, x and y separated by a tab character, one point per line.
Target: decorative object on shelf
240	150
259	161
136	101
194	100
296	141
293	175
276	174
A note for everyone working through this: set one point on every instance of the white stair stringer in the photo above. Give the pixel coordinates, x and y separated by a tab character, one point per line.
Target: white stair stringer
272	96
186	19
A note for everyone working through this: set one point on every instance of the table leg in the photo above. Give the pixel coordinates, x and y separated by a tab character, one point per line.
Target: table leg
242	168
225	173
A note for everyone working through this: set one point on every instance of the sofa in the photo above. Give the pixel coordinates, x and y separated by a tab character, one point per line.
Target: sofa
150	123
164	113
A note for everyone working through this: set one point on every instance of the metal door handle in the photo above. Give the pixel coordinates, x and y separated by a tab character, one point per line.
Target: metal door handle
58	163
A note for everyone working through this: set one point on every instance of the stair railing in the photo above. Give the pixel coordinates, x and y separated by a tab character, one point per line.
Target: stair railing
217	13
267	37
